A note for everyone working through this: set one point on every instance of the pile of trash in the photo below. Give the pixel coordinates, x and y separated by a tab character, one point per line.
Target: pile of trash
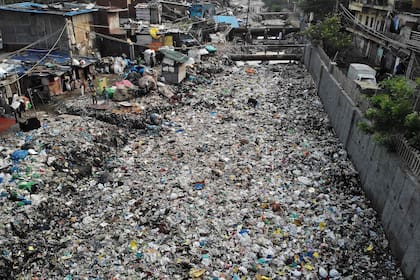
243	179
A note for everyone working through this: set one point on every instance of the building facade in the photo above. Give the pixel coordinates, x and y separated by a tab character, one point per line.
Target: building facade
25	23
387	32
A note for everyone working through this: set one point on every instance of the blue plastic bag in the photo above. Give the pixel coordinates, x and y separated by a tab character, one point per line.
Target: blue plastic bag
19	154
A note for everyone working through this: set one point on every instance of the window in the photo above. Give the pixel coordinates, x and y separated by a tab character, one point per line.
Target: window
367	21
380	25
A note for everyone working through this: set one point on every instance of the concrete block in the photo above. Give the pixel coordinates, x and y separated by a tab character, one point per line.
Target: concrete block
413	214
315	69
416	232
398	225
353	142
406	195
347	122
370	181
369	146
328	95
399	180
392	197
403	230
307	55
356	148
416	274
343	117
411	260
382	178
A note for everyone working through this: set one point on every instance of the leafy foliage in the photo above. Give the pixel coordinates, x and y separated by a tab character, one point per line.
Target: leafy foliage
412	122
321	8
275	5
330	33
392	112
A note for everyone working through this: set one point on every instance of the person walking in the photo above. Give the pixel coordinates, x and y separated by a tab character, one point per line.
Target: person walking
94	98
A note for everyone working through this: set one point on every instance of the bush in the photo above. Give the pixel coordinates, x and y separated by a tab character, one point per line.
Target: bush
321	8
331	34
392	113
275	5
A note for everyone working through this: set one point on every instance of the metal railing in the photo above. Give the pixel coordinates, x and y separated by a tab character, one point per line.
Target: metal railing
414	38
348	85
408	154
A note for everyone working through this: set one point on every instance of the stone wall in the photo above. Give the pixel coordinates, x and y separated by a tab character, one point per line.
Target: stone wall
387	182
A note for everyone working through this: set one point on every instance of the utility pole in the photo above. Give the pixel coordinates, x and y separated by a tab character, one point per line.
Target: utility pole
131	49
247	14
69	40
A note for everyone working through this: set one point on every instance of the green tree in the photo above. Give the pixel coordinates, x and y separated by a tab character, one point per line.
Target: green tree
392	113
330	34
321	8
275	5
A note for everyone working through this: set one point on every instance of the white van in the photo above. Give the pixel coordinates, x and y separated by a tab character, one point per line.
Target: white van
363	75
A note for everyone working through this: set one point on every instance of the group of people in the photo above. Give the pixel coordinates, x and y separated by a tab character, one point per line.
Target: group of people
95	97
72	84
86	86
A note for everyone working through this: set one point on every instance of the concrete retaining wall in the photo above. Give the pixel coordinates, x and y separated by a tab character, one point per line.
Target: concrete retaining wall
393	190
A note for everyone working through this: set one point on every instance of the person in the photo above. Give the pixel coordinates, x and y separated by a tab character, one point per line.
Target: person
153	59
105	94
94	99
147	57
73	84
90	83
68	85
19	107
82	88
400	69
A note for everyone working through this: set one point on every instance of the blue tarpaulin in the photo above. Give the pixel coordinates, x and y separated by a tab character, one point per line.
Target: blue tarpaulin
33	56
35	8
233	21
202	10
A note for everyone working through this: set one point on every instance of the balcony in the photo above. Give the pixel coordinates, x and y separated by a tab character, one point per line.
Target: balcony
412	6
360	5
414	39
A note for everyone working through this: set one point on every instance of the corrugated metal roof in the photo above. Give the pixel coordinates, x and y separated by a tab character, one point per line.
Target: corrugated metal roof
29	7
33	56
174	55
55	62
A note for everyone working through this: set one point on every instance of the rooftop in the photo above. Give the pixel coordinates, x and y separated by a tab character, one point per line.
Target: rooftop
63	9
55	62
174	55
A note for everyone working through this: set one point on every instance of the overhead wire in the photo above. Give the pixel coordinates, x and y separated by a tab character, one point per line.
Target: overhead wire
137	44
42	59
354	21
110	37
45	38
